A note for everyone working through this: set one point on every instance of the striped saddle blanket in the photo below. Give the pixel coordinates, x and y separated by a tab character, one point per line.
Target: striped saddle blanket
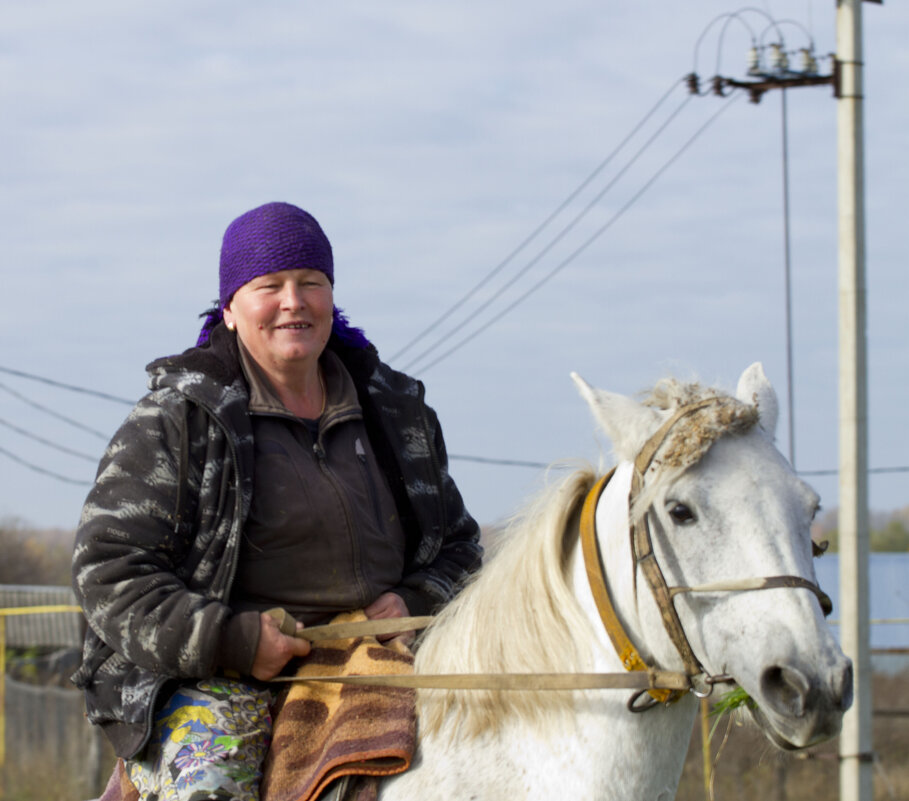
325	731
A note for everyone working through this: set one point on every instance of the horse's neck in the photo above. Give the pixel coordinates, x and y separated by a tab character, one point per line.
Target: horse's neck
631	595
659	737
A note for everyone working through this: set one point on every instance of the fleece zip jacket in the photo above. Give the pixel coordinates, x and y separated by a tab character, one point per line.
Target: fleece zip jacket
323	534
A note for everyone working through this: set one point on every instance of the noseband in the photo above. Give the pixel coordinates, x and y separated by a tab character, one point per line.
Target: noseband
645	559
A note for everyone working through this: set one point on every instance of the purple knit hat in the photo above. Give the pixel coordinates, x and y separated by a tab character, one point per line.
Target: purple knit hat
270	238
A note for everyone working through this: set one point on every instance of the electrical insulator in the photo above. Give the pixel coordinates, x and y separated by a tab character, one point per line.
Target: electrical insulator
808	62
754	62
779	62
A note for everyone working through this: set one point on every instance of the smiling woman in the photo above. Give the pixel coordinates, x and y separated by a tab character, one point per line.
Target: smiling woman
284	320
279	463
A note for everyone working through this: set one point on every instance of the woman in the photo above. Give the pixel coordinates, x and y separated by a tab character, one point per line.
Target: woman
277	463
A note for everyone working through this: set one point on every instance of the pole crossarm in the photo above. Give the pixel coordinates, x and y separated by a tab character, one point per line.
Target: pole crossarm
757	89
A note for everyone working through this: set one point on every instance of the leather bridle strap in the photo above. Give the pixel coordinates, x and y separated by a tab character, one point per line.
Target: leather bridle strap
765	583
645	456
628	654
642	543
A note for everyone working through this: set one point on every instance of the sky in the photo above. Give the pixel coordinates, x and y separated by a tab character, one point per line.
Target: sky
430	140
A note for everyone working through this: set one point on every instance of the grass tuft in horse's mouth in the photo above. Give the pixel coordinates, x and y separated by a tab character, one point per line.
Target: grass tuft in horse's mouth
733	700
728	703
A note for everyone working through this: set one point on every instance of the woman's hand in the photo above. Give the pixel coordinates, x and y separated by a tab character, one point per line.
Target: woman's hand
275	649
387	605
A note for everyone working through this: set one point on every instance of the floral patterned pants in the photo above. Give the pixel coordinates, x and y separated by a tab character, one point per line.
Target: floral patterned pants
208	742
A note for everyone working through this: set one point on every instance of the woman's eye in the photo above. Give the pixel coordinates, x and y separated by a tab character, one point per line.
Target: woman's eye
681	514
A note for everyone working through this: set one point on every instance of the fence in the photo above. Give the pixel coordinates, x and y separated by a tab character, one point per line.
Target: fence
43	722
42	725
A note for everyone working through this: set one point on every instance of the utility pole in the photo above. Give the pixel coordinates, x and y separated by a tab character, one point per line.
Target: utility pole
856	755
855	749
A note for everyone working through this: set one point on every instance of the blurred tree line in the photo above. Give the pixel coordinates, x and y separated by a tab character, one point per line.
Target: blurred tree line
889	531
33	556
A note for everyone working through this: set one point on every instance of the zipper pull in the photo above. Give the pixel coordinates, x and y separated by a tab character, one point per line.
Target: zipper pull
360	450
318	451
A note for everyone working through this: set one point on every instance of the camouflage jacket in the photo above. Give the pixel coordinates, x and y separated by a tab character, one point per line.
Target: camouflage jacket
159	537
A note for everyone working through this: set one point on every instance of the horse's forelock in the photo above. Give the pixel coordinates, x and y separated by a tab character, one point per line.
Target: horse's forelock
690	439
669	394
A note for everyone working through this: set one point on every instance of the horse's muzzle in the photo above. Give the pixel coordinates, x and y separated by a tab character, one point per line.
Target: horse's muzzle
797	710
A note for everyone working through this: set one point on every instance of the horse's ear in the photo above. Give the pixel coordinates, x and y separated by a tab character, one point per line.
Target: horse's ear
626	422
754	388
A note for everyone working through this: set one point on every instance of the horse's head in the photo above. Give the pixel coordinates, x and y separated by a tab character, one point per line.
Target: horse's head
723	507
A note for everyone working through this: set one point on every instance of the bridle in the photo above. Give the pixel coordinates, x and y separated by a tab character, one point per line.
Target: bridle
644	558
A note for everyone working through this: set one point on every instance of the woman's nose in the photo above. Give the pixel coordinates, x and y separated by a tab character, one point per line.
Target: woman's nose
291	296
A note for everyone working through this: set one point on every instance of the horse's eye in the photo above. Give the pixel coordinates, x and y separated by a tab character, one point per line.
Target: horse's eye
681	514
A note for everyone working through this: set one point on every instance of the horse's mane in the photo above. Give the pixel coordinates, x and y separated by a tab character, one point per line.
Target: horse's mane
518	615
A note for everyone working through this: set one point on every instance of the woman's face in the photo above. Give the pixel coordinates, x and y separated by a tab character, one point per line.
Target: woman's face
284	318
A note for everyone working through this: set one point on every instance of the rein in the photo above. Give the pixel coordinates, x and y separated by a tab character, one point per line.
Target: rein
663	686
650	679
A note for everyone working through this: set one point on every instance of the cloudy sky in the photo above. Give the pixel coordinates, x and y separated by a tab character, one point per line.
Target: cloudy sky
430	140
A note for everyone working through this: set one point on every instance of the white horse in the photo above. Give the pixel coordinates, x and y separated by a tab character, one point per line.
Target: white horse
723	511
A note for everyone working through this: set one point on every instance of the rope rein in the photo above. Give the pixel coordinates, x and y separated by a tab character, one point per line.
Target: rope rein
663	687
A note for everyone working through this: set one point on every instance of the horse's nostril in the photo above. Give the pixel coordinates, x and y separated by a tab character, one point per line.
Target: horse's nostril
786	689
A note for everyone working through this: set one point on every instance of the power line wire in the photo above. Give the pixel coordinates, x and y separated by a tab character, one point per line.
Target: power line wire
536	231
70	387
502	462
41	470
52	413
599	232
49	443
553	242
870	470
